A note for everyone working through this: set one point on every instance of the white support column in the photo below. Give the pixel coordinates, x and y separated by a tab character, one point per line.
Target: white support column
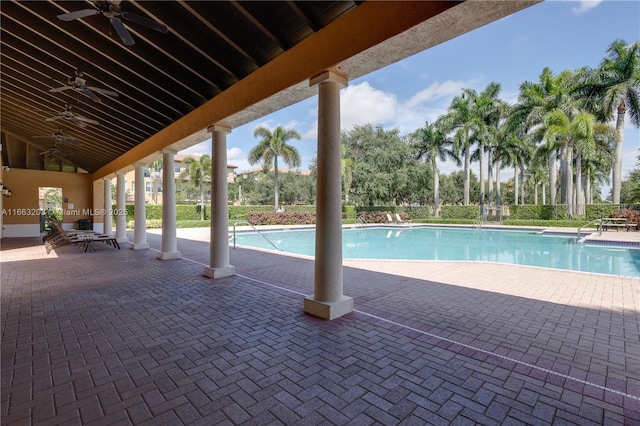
140	211
219	246
328	301
169	240
107	227
121	209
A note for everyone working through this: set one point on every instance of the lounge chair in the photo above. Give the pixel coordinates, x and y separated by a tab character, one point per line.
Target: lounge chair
389	218
58	237
400	220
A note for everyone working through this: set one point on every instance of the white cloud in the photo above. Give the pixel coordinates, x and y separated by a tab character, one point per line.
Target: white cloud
238	157
437	90
362	104
203	147
584	6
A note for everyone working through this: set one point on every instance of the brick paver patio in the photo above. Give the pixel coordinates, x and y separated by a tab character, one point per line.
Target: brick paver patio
119	337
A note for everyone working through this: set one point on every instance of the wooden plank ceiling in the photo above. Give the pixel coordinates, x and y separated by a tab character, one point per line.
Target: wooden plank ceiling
53	71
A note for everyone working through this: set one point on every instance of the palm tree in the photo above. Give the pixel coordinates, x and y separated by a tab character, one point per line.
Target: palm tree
431	144
535	101
271	146
199	173
615	86
539	171
346	168
462	120
486	110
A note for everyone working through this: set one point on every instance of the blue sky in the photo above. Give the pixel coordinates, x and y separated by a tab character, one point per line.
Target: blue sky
558	34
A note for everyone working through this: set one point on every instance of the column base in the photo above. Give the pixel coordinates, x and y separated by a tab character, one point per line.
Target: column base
328	310
168	255
139	246
122	240
225	271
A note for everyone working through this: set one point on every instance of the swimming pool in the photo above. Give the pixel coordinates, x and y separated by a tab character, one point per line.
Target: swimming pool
432	243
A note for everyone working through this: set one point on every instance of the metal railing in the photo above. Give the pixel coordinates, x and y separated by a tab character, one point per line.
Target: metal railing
598	221
244	222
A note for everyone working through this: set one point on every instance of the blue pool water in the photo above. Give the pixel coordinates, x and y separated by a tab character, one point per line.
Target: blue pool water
430	243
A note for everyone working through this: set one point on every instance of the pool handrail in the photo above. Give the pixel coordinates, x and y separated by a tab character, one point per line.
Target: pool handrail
244	222
598	221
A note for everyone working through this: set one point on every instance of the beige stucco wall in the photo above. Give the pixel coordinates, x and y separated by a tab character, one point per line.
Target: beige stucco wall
20	210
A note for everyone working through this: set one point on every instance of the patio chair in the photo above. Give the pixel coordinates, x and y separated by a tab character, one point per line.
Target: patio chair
58	237
400	220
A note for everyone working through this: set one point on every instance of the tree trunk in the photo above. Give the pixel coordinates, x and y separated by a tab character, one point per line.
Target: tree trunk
553	176
490	175
467	173
201	201
579	193
276	184
481	151
522	178
515	182
563	175
436	185
569	181
498	197
617	165
587	188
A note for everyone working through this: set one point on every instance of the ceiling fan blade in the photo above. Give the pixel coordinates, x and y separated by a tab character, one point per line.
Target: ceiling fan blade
76	120
91	95
57	117
72	141
85	120
78	14
149	23
122	31
103	91
60	89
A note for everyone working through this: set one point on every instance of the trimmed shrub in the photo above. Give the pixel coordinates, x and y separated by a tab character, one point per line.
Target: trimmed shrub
349	212
374	216
281	218
417	212
460	212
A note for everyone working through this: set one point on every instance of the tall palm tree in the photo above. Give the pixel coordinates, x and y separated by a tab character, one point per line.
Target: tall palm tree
486	111
271	146
431	144
615	86
535	101
539	171
199	174
462	120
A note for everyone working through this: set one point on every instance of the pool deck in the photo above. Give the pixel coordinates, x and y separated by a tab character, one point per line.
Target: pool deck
118	337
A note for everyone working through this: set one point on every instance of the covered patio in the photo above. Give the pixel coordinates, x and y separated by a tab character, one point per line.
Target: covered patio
120	337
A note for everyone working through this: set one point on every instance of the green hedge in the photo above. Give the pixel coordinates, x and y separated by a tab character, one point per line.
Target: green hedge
183	212
538	211
418	212
459	212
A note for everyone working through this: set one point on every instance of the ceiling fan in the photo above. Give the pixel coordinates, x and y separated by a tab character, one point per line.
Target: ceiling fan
67	114
59	137
53	153
79	84
111	9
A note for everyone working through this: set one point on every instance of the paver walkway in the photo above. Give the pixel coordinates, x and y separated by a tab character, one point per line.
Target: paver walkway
119	337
